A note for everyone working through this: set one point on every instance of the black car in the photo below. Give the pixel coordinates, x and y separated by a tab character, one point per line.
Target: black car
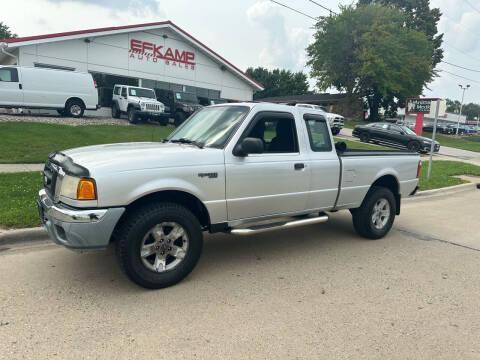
181	105
443	129
394	135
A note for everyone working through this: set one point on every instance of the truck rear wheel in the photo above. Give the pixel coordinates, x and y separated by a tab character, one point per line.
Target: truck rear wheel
115	111
374	218
159	245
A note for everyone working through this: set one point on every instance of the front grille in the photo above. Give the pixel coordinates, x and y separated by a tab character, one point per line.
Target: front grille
50	174
152	107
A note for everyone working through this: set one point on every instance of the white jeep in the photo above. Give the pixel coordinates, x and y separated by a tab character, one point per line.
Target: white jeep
138	103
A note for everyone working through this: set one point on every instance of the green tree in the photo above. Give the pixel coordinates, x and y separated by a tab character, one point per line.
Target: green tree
453	106
5	32
471	111
279	82
368	52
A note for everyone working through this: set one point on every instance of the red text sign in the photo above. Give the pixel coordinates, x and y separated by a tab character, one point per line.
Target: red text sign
148	51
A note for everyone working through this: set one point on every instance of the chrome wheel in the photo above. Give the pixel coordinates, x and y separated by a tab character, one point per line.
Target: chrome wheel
75	110
164	247
381	213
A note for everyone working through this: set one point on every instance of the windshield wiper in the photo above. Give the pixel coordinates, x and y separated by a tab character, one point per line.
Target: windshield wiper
188	141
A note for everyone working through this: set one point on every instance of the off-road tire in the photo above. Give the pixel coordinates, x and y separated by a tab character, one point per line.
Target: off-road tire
131	231
362	216
132	115
179	118
115	111
335	131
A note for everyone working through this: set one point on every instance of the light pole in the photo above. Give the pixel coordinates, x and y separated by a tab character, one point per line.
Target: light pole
461	105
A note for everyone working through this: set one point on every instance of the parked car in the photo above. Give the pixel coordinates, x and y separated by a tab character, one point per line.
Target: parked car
68	92
181	104
441	128
336	121
221	171
394	135
138	103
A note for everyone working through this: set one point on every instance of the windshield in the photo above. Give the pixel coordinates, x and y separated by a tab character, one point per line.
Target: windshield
407	130
187	97
211	126
140	92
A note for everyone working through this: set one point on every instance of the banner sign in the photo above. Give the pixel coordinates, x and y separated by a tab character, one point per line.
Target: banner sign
418	106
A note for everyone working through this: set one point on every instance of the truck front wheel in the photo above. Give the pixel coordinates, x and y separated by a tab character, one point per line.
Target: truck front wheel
132	115
335	131
159	245
374	218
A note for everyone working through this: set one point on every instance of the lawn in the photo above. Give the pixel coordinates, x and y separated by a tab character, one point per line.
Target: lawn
18	191
471	143
443	172
26	142
360	145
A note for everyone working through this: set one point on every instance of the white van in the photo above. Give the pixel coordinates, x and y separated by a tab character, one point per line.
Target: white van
68	92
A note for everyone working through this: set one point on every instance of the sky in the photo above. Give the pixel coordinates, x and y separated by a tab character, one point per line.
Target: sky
253	32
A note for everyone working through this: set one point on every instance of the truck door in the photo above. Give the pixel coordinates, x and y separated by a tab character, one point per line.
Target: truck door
11	92
273	182
323	163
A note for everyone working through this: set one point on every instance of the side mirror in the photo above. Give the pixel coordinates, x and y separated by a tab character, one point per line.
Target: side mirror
248	146
340	146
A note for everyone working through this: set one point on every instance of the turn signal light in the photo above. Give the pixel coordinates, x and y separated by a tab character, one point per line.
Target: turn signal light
419	169
86	190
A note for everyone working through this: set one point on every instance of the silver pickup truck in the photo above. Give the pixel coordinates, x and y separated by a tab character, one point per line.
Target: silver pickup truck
239	168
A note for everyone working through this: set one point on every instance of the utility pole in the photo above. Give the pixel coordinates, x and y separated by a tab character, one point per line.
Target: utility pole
461	105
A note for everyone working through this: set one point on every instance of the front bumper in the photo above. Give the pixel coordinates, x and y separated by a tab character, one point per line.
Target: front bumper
75	228
426	148
150	114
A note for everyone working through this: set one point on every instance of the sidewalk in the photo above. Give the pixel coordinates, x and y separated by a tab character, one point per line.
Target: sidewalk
10	168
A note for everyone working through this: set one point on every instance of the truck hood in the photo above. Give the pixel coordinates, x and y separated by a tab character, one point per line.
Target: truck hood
113	158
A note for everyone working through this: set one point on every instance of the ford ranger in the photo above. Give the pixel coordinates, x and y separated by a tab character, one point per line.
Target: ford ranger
241	169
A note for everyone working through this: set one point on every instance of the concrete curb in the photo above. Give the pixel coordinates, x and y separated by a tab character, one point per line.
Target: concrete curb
442	191
22	235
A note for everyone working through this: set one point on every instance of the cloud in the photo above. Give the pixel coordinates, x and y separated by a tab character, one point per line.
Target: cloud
285	47
46	16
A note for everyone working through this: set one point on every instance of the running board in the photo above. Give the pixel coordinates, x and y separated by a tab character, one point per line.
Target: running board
257	229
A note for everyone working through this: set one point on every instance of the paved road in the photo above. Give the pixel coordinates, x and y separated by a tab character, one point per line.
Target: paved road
445	153
318	292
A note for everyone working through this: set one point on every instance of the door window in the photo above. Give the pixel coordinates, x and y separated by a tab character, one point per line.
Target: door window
318	133
124	92
277	133
8	75
116	91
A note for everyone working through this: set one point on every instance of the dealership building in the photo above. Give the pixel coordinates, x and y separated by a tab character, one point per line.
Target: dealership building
155	55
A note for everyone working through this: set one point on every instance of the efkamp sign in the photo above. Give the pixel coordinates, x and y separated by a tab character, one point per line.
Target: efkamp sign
147	51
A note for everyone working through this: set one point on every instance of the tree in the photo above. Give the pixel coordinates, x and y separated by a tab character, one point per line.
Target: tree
5	32
368	52
279	82
419	17
453	106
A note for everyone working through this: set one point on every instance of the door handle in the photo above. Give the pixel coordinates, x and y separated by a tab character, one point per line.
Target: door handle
20	86
299	166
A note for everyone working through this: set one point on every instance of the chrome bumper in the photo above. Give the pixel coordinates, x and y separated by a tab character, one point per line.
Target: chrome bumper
75	228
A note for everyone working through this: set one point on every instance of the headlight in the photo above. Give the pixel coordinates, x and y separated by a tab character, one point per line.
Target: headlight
142	105
78	189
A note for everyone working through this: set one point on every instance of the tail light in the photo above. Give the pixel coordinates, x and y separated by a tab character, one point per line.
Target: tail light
419	168
95	83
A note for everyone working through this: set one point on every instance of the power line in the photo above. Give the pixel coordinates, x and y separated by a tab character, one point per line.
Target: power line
461	67
323	7
461	51
297	11
463	77
473	7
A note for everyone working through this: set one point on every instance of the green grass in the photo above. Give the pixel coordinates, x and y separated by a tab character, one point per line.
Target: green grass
18	191
471	143
443	172
351	124
26	142
359	145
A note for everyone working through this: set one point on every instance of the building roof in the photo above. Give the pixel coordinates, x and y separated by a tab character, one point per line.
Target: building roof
306	98
29	40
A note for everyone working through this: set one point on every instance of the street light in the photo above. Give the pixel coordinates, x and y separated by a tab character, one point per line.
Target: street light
461	105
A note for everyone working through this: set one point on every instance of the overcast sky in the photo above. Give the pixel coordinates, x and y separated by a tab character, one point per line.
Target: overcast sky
250	32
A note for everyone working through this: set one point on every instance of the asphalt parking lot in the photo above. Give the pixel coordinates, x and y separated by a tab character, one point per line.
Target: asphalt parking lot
312	292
